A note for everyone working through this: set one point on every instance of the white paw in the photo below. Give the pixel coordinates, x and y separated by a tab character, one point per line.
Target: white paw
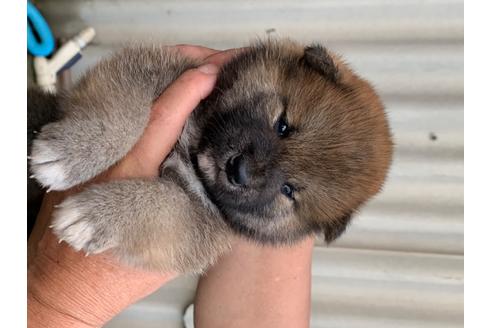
47	167
79	230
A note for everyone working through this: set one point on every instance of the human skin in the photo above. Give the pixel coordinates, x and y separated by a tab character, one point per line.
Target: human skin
257	286
68	289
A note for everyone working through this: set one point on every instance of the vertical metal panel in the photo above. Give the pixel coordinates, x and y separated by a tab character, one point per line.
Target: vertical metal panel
401	262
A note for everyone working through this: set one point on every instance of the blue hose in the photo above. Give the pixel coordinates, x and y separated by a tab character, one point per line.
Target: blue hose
44	44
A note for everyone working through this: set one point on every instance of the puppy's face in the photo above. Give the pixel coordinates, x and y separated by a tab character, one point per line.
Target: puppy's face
292	142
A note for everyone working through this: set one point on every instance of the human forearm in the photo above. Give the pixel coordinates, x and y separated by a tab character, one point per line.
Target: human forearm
256	286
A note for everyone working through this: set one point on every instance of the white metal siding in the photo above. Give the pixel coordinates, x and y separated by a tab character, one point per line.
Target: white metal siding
401	262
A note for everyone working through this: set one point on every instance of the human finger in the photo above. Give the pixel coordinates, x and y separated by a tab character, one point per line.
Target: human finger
196	52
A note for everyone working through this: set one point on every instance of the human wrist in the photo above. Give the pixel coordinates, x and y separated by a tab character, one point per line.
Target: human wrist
67	289
61	295
42	315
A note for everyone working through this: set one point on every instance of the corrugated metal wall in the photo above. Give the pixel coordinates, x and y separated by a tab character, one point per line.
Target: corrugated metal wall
401	263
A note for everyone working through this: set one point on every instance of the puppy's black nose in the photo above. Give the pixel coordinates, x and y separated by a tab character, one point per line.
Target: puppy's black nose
237	170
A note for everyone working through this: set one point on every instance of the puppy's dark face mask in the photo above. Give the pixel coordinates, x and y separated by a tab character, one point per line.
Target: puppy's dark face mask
292	142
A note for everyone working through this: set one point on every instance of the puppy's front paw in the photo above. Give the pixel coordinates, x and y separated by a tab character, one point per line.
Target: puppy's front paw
74	223
48	164
62	156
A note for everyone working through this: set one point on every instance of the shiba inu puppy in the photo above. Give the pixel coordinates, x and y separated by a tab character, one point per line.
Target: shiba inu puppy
290	143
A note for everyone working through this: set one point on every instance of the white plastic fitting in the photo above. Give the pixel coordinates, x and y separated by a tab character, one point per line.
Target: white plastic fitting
47	69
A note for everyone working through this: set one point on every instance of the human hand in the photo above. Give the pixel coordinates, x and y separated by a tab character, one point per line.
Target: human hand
65	288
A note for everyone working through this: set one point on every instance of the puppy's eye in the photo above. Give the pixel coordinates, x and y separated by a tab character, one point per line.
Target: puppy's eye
282	127
287	190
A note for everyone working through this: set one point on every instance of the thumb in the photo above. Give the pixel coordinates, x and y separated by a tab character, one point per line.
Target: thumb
169	114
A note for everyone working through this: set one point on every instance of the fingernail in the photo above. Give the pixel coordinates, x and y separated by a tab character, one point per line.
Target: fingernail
210	69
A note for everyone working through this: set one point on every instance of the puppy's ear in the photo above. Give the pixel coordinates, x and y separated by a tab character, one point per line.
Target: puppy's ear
333	230
317	58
